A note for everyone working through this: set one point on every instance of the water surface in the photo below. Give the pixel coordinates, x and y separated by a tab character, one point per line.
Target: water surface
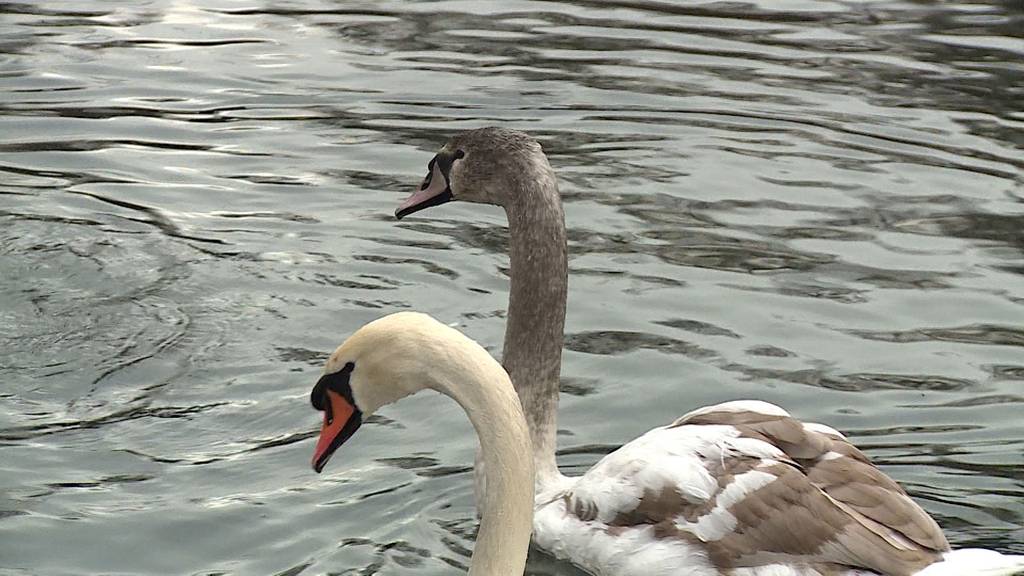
819	204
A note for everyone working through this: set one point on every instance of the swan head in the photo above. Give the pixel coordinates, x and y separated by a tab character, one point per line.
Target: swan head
480	166
383	362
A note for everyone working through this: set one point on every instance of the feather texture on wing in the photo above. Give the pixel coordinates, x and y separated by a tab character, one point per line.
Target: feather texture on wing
738	488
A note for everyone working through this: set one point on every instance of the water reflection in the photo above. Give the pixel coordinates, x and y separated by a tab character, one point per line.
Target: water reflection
817	204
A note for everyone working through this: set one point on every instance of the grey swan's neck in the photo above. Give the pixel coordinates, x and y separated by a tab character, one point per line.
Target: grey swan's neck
536	307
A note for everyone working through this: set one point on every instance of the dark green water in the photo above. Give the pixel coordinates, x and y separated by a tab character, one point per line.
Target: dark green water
819	204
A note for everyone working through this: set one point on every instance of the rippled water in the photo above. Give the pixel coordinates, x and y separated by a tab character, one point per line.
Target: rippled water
820	204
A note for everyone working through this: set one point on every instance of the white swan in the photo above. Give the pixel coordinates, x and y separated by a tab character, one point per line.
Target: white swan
401	354
737	489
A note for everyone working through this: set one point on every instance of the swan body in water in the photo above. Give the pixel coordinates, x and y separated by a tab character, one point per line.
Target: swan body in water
736	489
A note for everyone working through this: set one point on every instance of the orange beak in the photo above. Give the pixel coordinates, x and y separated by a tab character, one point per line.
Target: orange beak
341	420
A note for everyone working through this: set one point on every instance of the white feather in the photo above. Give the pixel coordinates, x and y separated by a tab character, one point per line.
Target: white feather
823	429
739	406
719	521
678	457
629	552
975	562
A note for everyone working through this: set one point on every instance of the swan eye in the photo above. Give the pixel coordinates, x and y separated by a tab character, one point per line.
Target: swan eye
459	154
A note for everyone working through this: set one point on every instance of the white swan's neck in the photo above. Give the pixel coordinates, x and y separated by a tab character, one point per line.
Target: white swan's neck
536	308
482	388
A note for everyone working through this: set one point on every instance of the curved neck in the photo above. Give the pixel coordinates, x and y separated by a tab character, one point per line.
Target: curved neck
482	388
536	309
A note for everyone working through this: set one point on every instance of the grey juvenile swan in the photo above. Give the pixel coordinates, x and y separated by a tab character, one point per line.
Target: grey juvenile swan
401	354
738	489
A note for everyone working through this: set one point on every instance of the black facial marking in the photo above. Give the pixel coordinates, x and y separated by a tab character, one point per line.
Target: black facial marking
337	382
430	173
443	161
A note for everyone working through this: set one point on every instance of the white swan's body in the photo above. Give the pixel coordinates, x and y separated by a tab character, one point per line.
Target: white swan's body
737	489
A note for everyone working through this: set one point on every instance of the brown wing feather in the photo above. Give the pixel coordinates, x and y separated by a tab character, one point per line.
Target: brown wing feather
813	500
854	481
829	504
